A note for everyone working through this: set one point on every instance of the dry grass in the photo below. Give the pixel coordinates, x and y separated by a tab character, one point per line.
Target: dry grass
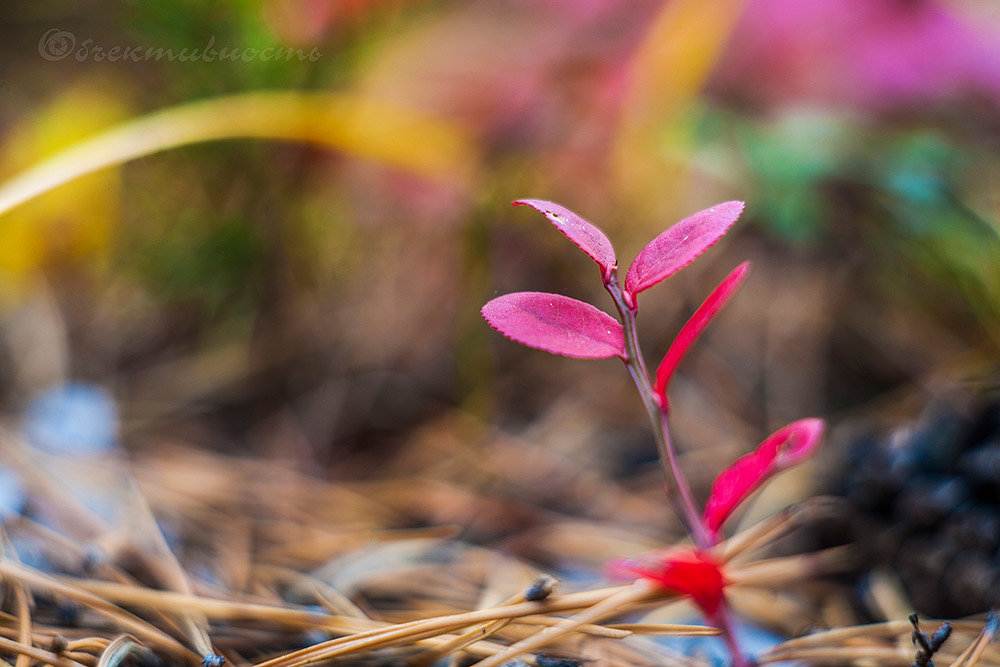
267	566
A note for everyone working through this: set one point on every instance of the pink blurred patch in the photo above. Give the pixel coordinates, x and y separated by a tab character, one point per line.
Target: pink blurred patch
304	22
873	53
544	77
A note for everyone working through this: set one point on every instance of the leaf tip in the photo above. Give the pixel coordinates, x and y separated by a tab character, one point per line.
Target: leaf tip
783	449
804	436
585	235
734	207
678	246
693	328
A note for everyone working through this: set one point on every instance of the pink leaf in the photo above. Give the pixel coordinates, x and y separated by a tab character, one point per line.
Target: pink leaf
556	324
677	247
693	327
781	450
587	236
688	571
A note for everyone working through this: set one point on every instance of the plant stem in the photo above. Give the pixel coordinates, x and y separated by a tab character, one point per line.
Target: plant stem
724	621
699	535
676	484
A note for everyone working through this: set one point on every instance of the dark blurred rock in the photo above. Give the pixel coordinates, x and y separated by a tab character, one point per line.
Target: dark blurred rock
926	505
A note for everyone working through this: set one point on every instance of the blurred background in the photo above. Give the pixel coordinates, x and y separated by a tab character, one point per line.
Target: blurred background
309	297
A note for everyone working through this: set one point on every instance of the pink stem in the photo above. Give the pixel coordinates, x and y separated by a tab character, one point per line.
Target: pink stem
676	484
723	619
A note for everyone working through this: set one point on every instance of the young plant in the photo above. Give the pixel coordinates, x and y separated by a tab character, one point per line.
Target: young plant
566	326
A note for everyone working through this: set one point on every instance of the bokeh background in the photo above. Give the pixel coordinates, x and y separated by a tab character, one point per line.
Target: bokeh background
314	304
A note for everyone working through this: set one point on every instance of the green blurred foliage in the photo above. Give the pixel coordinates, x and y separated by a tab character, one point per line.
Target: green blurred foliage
900	192
216	263
231	24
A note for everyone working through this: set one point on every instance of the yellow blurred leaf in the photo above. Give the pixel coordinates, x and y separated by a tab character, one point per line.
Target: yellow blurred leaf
363	127
73	223
668	73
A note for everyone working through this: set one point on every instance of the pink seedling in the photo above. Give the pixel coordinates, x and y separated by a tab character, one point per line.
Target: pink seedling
695	572
569	327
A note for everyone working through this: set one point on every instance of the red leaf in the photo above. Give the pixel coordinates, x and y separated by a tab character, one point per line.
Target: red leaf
693	327
781	450
688	571
556	324
587	236
677	247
